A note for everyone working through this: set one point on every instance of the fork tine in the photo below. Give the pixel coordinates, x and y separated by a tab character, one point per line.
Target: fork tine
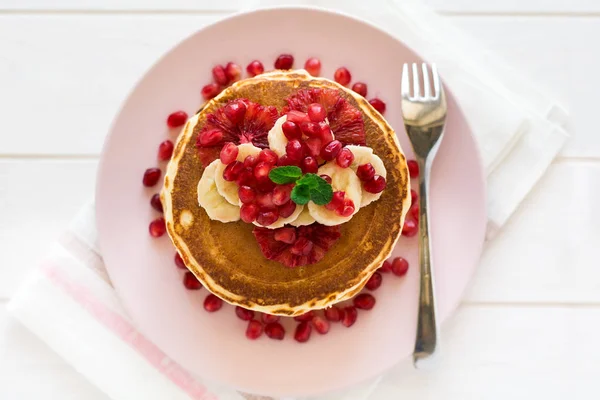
405	85
436	81
426	86
416	84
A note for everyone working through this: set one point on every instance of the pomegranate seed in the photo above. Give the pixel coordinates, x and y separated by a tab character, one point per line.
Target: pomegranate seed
265	201
386	267
310	129
309	165
151	176
350	315
303	331
414	211
378	104
287	209
316	112
313	66
261	171
321	324
413	168
375	185
265	186
331	150
250	161
344	158
246	177
337	200
235	111
267	218
285	160
243	313
177	119
229	153
285	235
246	194
233	72
413	196
291	131
284	61
211	90
268	156
364	301
219	75
297	117
179	261
326	178
275	331
294	151
305	317
313	146
333	314
281	194
268	318
365	172
211	138
191	282
212	303
374	281
360	88
156	203
410	228
255	68
254	330
302	247
165	150
399	266
249	212
325	133
348	208
157	227
342	76
233	171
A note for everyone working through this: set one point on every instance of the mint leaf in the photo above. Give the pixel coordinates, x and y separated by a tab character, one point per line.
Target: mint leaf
323	193
284	175
310	180
300	194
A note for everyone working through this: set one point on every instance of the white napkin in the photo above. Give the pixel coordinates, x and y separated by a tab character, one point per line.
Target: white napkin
69	301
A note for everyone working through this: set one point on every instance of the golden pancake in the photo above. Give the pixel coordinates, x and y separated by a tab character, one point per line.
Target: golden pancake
226	257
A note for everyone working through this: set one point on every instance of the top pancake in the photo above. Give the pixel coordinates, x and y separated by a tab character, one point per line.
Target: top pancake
226	258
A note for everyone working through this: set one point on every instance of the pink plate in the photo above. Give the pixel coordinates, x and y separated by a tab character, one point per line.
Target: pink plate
213	346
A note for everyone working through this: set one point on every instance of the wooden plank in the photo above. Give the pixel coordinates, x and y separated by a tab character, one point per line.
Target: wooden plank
85	76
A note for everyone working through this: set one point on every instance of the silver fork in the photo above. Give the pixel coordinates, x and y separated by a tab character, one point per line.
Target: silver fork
424	116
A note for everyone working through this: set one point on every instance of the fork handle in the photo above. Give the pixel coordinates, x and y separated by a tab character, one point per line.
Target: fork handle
427	328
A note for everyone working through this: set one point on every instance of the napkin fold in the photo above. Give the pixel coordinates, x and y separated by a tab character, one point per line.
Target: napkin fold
70	303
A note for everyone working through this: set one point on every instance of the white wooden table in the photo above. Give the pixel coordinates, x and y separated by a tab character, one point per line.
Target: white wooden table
528	326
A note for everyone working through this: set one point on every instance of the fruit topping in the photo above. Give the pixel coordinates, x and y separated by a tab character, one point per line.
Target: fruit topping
365	172
281	194
233	171
286	235
284	61
165	150
219	75
233	72
413	168
347	210
310	245
177	119
313	66
240	121
275	331
331	150
294	150
266	218
344	158
342	76
156	203
229	153
255	68
345	120
378	104
243	313
309	165
246	194
157	227
386	267
326	178
375	185
249	212
254	329
364	301
191	282
211	90
337	201
360	88
212	303
268	156
291	131
308	316
399	266
333	314
316	112
374	281
151	177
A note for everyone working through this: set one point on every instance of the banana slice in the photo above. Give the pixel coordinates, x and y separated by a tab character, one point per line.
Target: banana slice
282	221
229	190
303	219
344	179
363	155
277	140
211	200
